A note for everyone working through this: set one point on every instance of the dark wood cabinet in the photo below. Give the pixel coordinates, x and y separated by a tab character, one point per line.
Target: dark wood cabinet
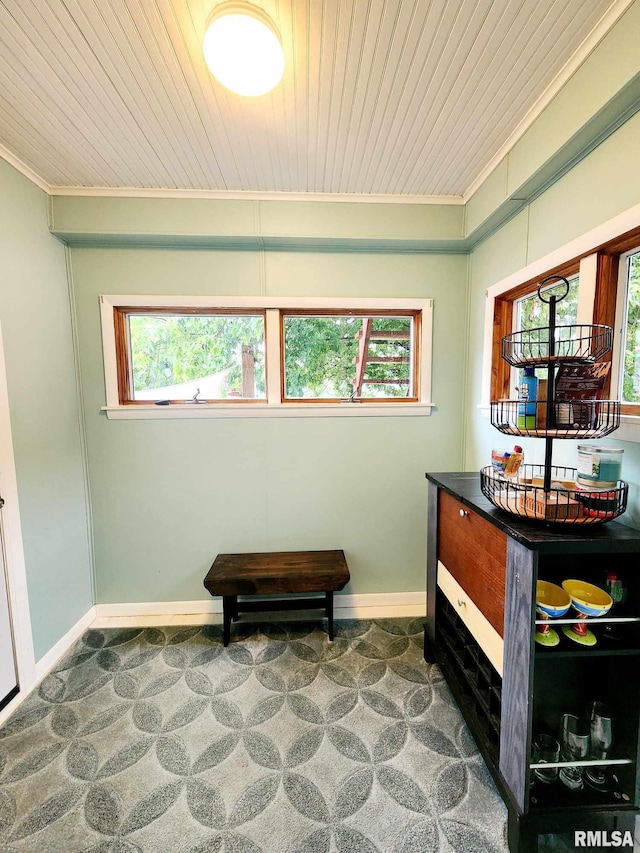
474	553
482	571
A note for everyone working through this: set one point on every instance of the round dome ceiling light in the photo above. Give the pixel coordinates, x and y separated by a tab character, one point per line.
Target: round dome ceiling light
242	49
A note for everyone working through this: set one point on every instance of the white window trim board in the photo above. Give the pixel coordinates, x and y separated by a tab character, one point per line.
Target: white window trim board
248	410
272	407
15	567
617	360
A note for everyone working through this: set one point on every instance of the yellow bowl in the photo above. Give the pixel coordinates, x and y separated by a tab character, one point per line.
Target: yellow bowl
587	598
552	599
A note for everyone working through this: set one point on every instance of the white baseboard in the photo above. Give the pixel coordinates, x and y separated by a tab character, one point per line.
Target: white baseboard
209	611
48	661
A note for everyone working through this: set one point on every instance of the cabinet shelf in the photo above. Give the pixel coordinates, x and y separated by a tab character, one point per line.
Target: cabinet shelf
572	419
593	620
475	673
609	762
557	797
584	653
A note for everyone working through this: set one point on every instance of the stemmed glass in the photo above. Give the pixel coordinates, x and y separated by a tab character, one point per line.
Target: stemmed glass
574	746
545	749
601	742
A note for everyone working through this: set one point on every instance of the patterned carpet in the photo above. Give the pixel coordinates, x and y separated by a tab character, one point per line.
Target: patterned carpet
163	741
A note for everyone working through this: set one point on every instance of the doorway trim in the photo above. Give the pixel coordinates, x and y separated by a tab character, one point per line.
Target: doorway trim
15	567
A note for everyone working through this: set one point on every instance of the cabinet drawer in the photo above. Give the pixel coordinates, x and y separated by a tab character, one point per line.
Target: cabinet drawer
475	553
485	634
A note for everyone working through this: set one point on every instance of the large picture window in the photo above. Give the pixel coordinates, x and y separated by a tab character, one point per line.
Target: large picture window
246	353
604	289
630	346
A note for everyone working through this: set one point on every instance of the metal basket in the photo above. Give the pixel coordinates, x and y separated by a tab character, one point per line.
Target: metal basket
566	504
569	344
573	419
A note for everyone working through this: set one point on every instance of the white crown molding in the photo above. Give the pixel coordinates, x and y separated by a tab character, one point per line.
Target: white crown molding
606	22
221	195
25	170
146	192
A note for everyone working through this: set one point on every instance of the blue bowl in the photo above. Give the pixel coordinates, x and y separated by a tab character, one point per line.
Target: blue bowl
587	598
552	600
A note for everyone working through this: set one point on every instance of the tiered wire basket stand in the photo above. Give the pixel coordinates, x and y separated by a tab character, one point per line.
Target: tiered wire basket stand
548	493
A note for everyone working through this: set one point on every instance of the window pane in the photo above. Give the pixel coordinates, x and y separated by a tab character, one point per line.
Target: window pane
218	357
631	374
340	356
533	312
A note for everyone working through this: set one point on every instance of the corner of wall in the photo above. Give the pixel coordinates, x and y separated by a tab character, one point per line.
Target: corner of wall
82	427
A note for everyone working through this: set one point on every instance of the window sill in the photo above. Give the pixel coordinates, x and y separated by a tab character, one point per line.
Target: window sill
248	410
629	429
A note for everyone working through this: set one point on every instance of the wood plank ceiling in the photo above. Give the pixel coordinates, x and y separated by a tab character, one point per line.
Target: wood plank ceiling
393	97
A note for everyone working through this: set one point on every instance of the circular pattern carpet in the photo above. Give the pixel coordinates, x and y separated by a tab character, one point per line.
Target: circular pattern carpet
163	741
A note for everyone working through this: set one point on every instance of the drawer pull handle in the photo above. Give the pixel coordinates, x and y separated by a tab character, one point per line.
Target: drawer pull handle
461	603
463	512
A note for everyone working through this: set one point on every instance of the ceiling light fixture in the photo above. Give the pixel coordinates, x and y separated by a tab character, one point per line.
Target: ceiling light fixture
242	49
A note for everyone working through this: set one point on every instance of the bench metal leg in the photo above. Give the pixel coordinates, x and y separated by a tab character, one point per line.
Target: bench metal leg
236	612
329	610
229	604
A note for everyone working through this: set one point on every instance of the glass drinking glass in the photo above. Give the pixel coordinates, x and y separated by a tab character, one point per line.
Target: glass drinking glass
600	729
574	746
545	750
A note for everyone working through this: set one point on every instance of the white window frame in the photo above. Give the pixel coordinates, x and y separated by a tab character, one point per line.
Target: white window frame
274	407
620	332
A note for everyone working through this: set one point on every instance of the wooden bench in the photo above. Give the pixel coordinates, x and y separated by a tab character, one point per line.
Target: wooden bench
276	573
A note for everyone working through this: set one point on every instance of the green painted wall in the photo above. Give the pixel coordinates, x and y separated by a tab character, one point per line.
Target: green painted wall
169	495
601	93
602	185
36	326
229	223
